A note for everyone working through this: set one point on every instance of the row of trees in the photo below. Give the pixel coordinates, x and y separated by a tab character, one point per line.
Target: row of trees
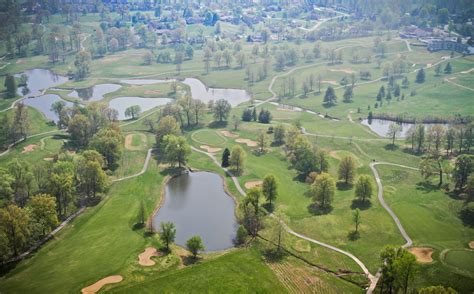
168	234
14	128
250	114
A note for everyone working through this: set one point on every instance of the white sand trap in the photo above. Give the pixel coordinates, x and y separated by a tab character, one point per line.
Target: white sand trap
471	244
468	71
253	184
422	254
129	140
332	82
344	70
248	142
229	134
287	109
29	148
210	149
48	159
144	258
94	288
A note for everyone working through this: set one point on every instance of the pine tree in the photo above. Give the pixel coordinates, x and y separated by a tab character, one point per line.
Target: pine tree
448	69
420	76
225	158
10	85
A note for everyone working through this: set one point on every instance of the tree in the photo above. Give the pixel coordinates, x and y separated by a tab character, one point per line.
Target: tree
323	190
347	169
221	110
270	188
82	64
237	158
448	69
420	76
436	134
167	125
241	235
108	142
133	111
42	208
22	181
195	245
21	122
356	218
264	116
437	290
463	166
364	188
167	234
405	268
247	114
10	85
141	215
79	128
113	45
147	58
262	141
394	130
438	70
235	122
225	158
89	174
348	94
14	224
330	97
279	133
6	186
381	93
176	150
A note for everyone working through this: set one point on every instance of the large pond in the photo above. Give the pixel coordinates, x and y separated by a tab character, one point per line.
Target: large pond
43	104
199	91
38	80
198	205
94	93
381	126
122	103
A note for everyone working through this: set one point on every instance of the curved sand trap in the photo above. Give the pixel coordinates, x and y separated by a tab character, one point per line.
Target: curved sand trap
253	184
471	244
144	258
422	254
248	142
210	149
99	284
344	70
332	82
129	140
29	148
229	134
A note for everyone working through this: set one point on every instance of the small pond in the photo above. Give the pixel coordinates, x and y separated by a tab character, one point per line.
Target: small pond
199	91
146	82
380	127
94	93
198	205
39	79
43	104
122	103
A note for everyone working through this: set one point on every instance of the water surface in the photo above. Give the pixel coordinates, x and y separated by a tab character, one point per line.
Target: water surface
381	126
146	82
122	103
198	205
94	93
43	104
38	80
199	91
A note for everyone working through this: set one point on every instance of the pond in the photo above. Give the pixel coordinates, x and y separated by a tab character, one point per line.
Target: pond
146	82
43	104
122	103
199	91
38	80
197	204
94	93
380	127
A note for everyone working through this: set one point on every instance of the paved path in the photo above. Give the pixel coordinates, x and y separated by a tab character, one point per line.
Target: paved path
144	168
29	137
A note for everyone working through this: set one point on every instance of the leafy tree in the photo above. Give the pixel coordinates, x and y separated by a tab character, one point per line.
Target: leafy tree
79	128
264	116
14	224
10	85
364	188
348	94
133	111
247	114
463	166
42	208
62	185
176	150
394	130
357	219
221	110
21	121
147	58
262	141
323	190
195	245
438	70
347	169
237	158
405	83
141	215
448	69
420	76
405	268
437	290
322	161
91	178
82	64
330	97
22	181
270	188
225	158
241	235
108	142
168	234
6	184
279	133
167	125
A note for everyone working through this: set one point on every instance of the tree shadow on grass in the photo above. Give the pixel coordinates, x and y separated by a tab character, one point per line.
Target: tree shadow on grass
353	235
426	186
391	147
270	207
300	178
138	226
467	217
360	204
217	124
342	186
189	259
316	209
273	254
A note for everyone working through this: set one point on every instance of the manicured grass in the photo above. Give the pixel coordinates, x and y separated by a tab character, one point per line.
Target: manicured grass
462	259
210	137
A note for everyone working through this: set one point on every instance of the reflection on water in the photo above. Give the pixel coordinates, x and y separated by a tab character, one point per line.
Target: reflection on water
43	104
94	93
38	80
122	103
381	126
199	91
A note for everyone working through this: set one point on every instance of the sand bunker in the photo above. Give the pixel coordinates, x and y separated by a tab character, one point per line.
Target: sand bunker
48	159
99	284
229	134
20	61
287	109
210	149
129	140
468	71
29	148
248	142
422	254
152	92
253	184
332	82
471	244
144	258
344	70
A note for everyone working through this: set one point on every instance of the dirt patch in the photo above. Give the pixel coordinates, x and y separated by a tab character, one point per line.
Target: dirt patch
20	61
422	254
151	92
29	148
210	149
334	154
129	140
471	244
144	258
99	284
48	159
229	134
332	82
253	184
344	70
248	142
110	59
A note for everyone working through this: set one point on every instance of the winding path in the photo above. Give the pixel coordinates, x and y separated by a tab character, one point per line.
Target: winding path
29	137
144	168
